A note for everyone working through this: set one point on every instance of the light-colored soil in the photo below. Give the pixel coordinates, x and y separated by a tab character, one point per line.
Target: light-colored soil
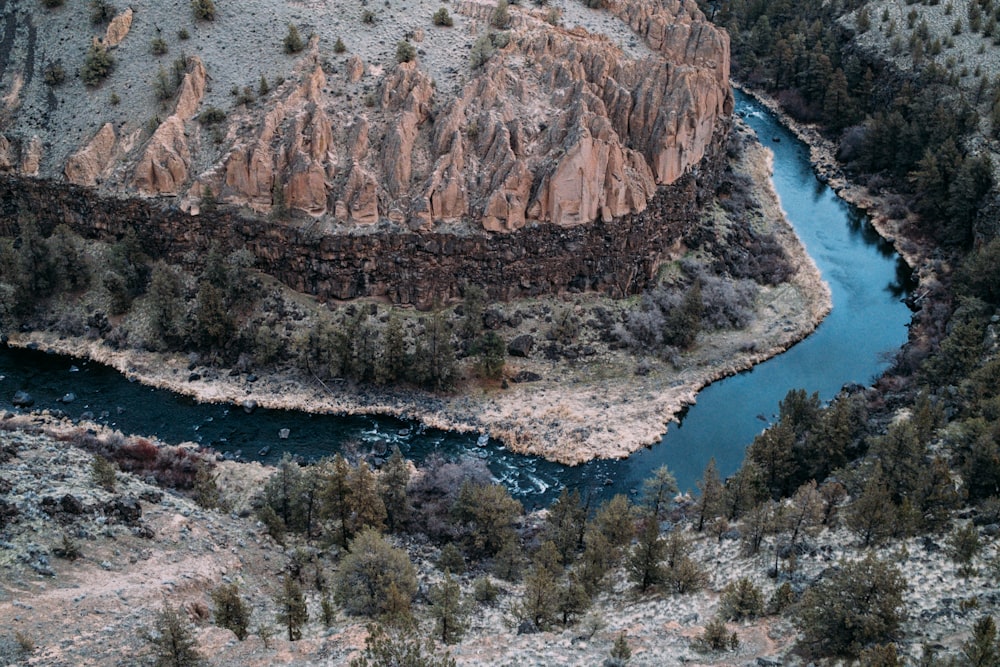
595	406
96	610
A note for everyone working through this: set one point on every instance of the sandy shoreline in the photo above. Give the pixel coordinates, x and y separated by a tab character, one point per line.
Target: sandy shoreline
577	412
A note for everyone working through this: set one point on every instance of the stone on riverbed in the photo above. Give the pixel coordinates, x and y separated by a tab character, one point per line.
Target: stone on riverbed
22	399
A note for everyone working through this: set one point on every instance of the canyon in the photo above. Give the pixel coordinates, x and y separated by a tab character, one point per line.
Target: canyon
566	161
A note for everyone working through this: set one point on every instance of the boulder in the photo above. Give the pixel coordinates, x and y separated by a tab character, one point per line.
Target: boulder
22	399
521	346
526	376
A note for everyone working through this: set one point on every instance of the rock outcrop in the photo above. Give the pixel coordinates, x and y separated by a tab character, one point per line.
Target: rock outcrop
165	164
558	127
118	28
87	165
517	174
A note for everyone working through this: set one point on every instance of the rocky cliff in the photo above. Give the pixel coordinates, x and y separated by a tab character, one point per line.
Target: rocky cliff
551	129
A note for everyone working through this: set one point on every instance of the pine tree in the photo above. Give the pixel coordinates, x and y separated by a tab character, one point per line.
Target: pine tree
231	612
983	649
292	611
173	643
711	495
658	492
448	610
644	564
392	482
367	509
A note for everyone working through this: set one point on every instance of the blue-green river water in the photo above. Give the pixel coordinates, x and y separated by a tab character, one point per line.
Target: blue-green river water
868	322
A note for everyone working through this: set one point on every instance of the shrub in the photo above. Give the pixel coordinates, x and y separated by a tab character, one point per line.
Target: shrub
183	34
368	17
399	648
716	637
231	612
103	473
204	10
67	549
500	18
101	11
372	573
211	116
293	40
52	4
54	74
741	600
443	18
405	52
338	46
858	605
173	643
96	66
158	46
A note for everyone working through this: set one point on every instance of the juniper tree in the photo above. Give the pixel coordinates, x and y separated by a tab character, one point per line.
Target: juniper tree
741	600
489	512
857	605
231	612
292	610
872	515
173	643
645	564
448	610
392	482
983	649
565	524
293	40
710	496
369	571
615	519
658	492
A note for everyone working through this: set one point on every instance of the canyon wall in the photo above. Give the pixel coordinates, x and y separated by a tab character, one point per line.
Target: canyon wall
618	257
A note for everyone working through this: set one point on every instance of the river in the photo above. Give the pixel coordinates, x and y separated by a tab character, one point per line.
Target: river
868	322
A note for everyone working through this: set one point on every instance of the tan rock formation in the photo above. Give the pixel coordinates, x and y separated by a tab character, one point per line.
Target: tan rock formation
31	161
86	166
560	126
118	28
355	68
165	164
7	160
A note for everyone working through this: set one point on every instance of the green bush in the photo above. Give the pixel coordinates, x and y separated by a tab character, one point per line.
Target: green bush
405	52
211	116
500	18
858	605
443	18
54	74
293	40
96	66
204	10
52	4
101	11
158	46
231	612
372	574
